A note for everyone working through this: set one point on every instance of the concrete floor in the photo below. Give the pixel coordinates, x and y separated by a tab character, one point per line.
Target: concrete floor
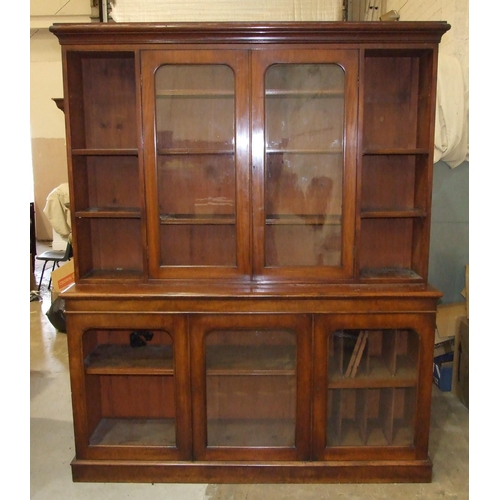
52	446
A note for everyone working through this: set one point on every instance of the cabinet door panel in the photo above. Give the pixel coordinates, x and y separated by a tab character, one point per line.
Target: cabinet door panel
371	389
196	145
131	380
252	386
304	108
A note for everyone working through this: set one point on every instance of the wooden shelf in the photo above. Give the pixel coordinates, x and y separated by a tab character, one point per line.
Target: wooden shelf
162	94
105	152
389	272
375	380
392	213
336	151
125	360
304	220
396	151
251	360
251	433
198	219
134	432
304	93
198	152
104	275
110	213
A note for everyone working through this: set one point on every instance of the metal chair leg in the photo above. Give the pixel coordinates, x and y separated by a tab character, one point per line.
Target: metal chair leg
41	276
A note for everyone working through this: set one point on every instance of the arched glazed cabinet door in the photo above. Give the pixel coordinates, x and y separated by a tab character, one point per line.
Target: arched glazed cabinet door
303	157
196	152
251	382
370	388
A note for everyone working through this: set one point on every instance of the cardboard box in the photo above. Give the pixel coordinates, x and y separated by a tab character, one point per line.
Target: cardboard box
443	371
63	276
446	326
460	383
446	319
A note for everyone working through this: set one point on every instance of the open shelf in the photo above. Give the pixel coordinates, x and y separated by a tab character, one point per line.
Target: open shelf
113	245
107	185
395	151
109	213
387	248
389	272
391	213
111	275
105	152
396	163
100	119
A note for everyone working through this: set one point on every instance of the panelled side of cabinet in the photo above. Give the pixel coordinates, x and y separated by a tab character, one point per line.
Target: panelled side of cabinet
251	212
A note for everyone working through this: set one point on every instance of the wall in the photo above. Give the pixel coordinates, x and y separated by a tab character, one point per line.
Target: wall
455	12
47	126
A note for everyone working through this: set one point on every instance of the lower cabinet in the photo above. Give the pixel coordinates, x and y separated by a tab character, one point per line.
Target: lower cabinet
270	397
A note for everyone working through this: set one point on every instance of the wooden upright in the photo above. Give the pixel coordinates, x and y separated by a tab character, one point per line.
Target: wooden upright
251	213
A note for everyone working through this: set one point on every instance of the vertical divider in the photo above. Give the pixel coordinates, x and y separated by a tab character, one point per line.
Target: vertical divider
362	413
336	401
389	350
387	413
339	340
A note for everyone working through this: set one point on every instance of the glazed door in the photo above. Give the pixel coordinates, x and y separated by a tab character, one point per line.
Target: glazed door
372	386
303	158
196	118
130	386
251	386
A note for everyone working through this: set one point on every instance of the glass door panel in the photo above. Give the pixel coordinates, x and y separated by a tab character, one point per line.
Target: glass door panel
196	164
372	387
251	380
304	164
134	387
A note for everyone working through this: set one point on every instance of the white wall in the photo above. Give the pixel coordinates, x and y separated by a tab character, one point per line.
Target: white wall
456	12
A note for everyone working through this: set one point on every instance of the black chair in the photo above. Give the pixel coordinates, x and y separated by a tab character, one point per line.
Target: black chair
56	257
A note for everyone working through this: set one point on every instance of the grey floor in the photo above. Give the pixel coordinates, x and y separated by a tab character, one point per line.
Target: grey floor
52	447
